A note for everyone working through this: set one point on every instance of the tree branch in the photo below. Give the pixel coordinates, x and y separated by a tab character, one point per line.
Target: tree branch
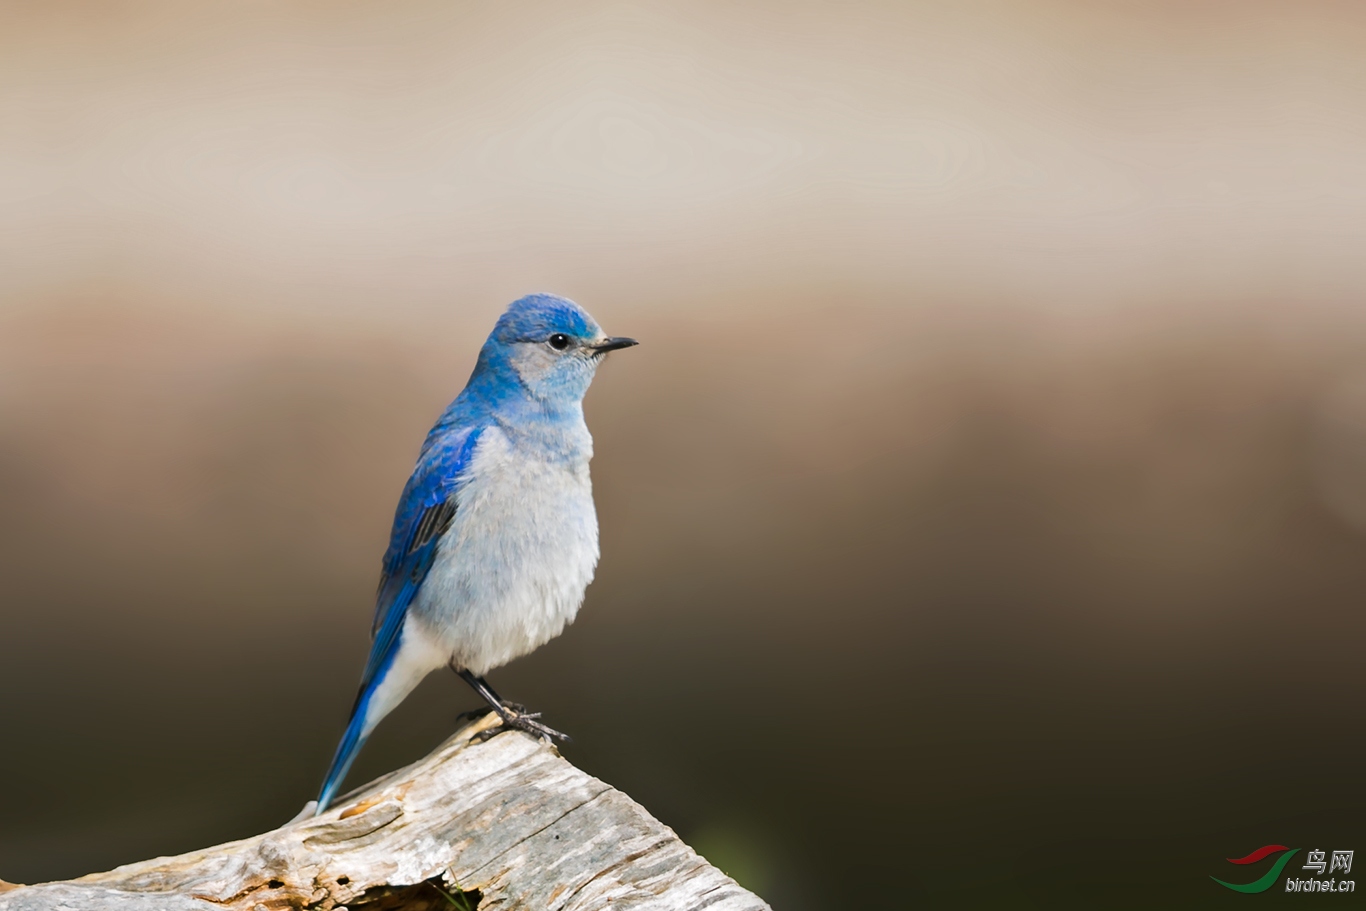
502	824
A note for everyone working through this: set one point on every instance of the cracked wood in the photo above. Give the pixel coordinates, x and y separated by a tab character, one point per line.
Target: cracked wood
507	822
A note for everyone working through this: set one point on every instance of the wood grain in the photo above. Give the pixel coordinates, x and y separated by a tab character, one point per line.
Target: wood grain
505	823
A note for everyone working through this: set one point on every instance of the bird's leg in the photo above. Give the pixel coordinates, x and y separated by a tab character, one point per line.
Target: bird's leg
487	693
515	706
513	716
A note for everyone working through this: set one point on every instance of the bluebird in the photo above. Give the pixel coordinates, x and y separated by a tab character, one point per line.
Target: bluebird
495	537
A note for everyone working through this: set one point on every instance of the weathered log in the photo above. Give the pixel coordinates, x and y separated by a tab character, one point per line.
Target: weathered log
505	823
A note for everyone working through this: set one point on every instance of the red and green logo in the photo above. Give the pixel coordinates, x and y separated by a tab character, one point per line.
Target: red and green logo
1264	882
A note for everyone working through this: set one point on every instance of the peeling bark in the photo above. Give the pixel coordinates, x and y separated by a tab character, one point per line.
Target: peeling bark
501	824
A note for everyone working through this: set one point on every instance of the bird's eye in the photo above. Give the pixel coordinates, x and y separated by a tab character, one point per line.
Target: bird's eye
559	341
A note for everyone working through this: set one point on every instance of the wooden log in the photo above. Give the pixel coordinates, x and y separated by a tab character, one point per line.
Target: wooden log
505	823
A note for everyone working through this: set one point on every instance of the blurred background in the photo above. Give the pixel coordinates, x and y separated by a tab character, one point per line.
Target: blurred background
983	514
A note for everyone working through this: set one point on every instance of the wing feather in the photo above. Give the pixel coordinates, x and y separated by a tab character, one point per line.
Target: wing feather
425	512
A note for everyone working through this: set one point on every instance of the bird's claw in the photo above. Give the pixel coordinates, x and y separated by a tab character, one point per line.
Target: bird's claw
522	720
472	715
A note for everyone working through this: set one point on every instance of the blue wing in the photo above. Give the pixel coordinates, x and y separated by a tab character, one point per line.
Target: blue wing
425	511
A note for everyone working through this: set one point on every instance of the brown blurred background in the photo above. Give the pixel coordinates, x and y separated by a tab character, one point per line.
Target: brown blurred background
984	513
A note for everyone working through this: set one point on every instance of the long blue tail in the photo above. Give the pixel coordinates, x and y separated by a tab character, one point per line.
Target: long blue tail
396	593
352	740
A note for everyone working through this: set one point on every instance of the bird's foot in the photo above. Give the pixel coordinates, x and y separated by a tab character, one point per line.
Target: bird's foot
517	718
471	715
483	710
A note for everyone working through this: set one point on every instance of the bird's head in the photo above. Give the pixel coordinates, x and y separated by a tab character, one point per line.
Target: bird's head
552	346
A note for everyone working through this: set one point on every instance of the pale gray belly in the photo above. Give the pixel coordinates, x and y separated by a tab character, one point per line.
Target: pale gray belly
512	570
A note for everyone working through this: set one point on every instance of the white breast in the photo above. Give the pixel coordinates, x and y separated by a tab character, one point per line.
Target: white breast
512	570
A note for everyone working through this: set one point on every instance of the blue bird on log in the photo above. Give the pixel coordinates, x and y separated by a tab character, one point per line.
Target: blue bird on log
495	537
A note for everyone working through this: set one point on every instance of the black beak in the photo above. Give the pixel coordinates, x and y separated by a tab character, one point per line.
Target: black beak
612	344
